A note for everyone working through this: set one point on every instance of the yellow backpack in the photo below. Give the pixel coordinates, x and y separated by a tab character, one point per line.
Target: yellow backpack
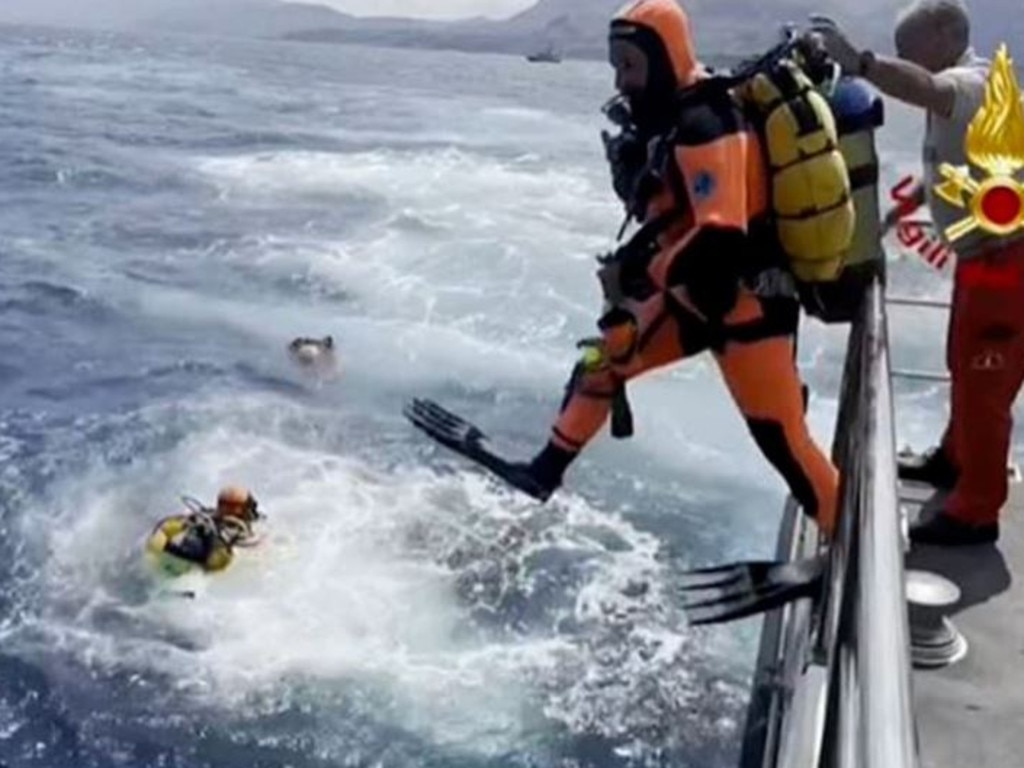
811	195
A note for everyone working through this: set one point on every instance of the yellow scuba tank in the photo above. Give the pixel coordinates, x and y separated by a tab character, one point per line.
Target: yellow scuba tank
859	113
811	196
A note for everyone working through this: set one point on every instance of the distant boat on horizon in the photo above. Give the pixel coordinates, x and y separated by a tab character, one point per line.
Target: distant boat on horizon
547	56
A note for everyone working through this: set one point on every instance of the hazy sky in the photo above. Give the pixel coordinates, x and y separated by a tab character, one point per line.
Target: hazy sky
430	8
436	9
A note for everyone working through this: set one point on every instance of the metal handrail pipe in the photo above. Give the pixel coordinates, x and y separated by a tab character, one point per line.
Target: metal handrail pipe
883	634
910	301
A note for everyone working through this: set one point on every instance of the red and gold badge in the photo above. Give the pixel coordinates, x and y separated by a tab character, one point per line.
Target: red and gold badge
995	144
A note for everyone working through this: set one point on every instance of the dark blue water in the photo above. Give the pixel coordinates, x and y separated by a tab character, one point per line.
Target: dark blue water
172	212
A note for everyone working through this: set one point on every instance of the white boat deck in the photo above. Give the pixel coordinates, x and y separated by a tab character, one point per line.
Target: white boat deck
972	713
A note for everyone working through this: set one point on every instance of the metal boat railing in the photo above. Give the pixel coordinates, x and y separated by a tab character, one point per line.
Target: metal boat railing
913	302
833	679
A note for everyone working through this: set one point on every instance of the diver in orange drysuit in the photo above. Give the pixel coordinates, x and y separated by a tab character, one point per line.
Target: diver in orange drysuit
691	171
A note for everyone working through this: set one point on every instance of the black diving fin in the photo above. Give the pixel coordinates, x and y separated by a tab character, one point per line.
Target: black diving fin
746	589
467	440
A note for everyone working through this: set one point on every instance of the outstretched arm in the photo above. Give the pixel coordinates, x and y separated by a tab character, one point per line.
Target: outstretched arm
910	83
898	78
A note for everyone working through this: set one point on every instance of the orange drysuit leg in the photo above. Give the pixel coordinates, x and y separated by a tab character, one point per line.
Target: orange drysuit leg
762	376
987	373
588	404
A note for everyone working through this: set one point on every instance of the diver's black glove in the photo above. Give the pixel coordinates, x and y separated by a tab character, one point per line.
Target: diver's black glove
624	273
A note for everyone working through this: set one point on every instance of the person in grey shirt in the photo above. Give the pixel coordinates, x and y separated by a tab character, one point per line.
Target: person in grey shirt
937	70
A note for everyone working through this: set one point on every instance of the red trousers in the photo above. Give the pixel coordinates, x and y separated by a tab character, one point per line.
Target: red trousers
985	354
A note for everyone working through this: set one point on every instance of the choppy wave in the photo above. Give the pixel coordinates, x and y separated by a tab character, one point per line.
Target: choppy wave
174	213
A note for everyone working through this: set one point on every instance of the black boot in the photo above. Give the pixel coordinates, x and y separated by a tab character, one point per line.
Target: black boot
933	468
946	531
543	475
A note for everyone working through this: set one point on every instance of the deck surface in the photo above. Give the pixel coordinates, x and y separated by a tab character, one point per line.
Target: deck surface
972	713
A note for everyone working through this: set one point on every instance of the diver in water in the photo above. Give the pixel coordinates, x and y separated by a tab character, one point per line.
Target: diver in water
316	354
689	167
207	537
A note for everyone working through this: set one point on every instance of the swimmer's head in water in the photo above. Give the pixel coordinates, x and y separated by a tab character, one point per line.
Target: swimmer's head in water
235	501
308	351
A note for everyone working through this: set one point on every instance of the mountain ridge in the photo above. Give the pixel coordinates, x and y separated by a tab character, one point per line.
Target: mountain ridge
575	28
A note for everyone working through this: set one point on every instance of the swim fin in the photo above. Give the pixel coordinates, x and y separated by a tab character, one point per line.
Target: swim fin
466	439
746	589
